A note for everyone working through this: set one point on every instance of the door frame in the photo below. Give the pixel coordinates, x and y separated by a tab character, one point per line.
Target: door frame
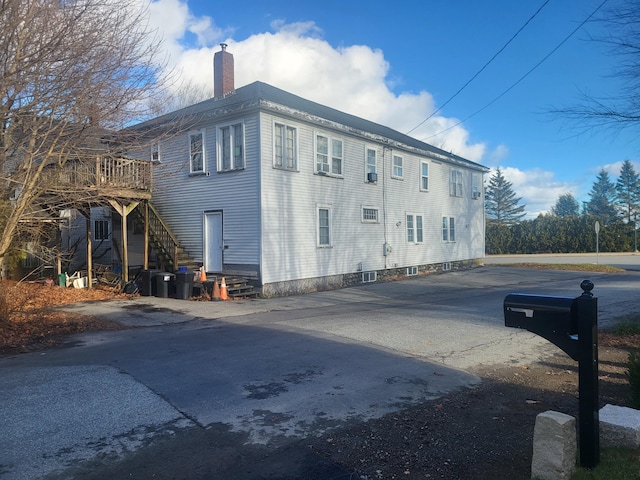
208	216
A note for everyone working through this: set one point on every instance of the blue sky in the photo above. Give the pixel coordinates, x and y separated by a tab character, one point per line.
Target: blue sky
395	63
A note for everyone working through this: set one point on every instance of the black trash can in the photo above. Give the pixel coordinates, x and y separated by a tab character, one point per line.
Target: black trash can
184	285
162	280
148	282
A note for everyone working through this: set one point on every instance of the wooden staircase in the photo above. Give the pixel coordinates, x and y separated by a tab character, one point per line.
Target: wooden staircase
239	288
171	255
164	243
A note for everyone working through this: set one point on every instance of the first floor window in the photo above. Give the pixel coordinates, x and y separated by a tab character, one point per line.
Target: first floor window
101	230
448	229
414	228
285	147
230	147
369	215
196	152
324	227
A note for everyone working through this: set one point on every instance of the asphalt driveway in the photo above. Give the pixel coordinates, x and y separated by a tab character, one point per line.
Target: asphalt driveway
269	371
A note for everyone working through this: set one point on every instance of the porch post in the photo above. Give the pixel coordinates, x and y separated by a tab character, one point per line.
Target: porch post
89	251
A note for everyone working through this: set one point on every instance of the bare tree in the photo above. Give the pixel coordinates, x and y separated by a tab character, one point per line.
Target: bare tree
71	71
621	109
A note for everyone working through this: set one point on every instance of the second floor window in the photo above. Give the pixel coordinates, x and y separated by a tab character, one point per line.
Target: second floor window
424	176
328	155
196	152
285	147
371	165
230	147
455	183
398	167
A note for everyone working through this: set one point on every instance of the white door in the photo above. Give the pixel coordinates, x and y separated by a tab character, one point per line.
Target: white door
213	242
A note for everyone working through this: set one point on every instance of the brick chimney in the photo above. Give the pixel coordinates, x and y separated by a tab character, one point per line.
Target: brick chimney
222	72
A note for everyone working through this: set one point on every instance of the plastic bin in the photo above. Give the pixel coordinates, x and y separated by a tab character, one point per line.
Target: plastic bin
148	284
62	279
184	285
162	280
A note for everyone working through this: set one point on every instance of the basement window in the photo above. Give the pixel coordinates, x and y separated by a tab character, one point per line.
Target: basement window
369	277
411	271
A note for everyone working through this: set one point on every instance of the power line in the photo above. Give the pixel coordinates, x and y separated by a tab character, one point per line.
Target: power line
483	67
523	76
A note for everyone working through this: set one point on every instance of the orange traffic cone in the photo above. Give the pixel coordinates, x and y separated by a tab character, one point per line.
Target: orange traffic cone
203	275
223	290
216	290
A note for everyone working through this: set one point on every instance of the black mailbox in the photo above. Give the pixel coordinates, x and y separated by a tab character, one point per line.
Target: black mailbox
553	318
572	325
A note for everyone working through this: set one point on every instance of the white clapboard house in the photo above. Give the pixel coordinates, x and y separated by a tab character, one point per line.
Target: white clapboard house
297	196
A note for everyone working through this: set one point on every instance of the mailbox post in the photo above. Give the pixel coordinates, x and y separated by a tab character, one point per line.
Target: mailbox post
572	325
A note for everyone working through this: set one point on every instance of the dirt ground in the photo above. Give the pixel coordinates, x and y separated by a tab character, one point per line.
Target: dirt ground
485	432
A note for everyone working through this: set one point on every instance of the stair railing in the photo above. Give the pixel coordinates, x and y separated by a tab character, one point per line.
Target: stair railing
159	231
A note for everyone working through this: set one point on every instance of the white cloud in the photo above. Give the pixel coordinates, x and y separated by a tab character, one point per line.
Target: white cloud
294	57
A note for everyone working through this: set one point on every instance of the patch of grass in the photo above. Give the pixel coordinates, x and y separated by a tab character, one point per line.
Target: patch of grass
576	267
615	464
628	325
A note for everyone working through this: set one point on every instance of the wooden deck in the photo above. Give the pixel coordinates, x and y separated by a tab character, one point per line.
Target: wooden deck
107	177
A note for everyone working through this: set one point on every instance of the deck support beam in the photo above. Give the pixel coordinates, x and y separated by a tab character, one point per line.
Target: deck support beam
124	211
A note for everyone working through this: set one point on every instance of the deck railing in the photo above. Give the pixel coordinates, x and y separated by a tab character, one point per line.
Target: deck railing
107	172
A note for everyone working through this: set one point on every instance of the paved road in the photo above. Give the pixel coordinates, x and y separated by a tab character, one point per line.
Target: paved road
272	370
628	261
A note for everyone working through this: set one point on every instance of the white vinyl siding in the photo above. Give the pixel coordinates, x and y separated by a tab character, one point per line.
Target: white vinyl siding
196	152
285	147
230	147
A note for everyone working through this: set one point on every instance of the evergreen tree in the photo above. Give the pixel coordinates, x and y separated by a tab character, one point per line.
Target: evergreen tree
602	202
628	192
566	206
502	205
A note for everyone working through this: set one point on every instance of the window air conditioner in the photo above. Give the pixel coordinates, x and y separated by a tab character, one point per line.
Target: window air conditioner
372	177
